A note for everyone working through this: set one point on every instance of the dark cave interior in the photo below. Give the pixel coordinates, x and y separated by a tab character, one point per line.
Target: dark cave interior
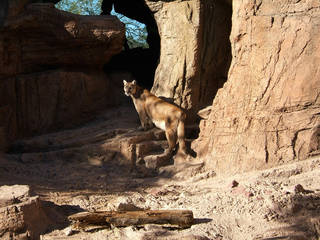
140	62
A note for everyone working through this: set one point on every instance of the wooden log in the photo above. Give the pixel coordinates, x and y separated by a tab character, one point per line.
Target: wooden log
177	218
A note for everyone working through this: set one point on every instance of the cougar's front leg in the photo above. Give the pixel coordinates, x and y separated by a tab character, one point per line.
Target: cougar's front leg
144	120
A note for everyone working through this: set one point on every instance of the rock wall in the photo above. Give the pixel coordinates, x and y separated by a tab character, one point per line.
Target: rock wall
195	50
268	112
40	102
51	67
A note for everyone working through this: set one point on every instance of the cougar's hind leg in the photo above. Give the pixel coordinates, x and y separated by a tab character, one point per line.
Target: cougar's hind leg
172	139
182	146
181	138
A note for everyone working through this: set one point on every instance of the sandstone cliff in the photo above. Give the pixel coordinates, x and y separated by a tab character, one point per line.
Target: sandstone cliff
268	112
51	67
195	50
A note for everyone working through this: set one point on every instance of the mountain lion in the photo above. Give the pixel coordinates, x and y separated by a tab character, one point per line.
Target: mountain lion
162	114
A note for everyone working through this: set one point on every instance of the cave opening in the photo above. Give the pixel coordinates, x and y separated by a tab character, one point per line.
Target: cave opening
141	51
136	32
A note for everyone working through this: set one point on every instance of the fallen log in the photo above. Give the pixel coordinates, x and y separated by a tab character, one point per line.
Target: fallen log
177	218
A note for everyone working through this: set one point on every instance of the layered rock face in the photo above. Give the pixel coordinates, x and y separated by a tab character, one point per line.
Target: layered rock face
268	112
51	67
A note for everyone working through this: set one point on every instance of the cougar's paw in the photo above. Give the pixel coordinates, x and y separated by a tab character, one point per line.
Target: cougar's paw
141	128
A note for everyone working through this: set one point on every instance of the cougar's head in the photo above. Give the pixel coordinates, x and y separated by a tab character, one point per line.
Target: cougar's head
129	88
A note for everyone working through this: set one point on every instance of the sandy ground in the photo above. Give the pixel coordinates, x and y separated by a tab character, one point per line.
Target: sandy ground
68	169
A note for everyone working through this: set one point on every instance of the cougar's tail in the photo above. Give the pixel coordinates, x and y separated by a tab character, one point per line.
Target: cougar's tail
181	134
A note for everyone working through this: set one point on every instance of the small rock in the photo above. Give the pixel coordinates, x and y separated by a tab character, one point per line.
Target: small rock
68	231
299	189
242	191
156	161
250	194
157	191
234	184
124	204
128	207
205	112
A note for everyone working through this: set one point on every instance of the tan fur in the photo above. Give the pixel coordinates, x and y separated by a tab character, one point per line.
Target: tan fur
162	114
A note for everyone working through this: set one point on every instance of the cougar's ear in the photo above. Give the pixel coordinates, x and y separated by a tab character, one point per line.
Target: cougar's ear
124	82
134	82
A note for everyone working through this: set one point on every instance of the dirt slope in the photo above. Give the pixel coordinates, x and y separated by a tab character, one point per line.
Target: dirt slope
76	170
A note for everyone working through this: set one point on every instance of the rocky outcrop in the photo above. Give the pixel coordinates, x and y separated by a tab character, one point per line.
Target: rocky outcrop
25	216
195	51
43	37
268	112
51	67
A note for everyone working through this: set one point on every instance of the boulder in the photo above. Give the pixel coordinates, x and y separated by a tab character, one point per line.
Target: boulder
51	73
43	37
267	113
127	204
23	216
